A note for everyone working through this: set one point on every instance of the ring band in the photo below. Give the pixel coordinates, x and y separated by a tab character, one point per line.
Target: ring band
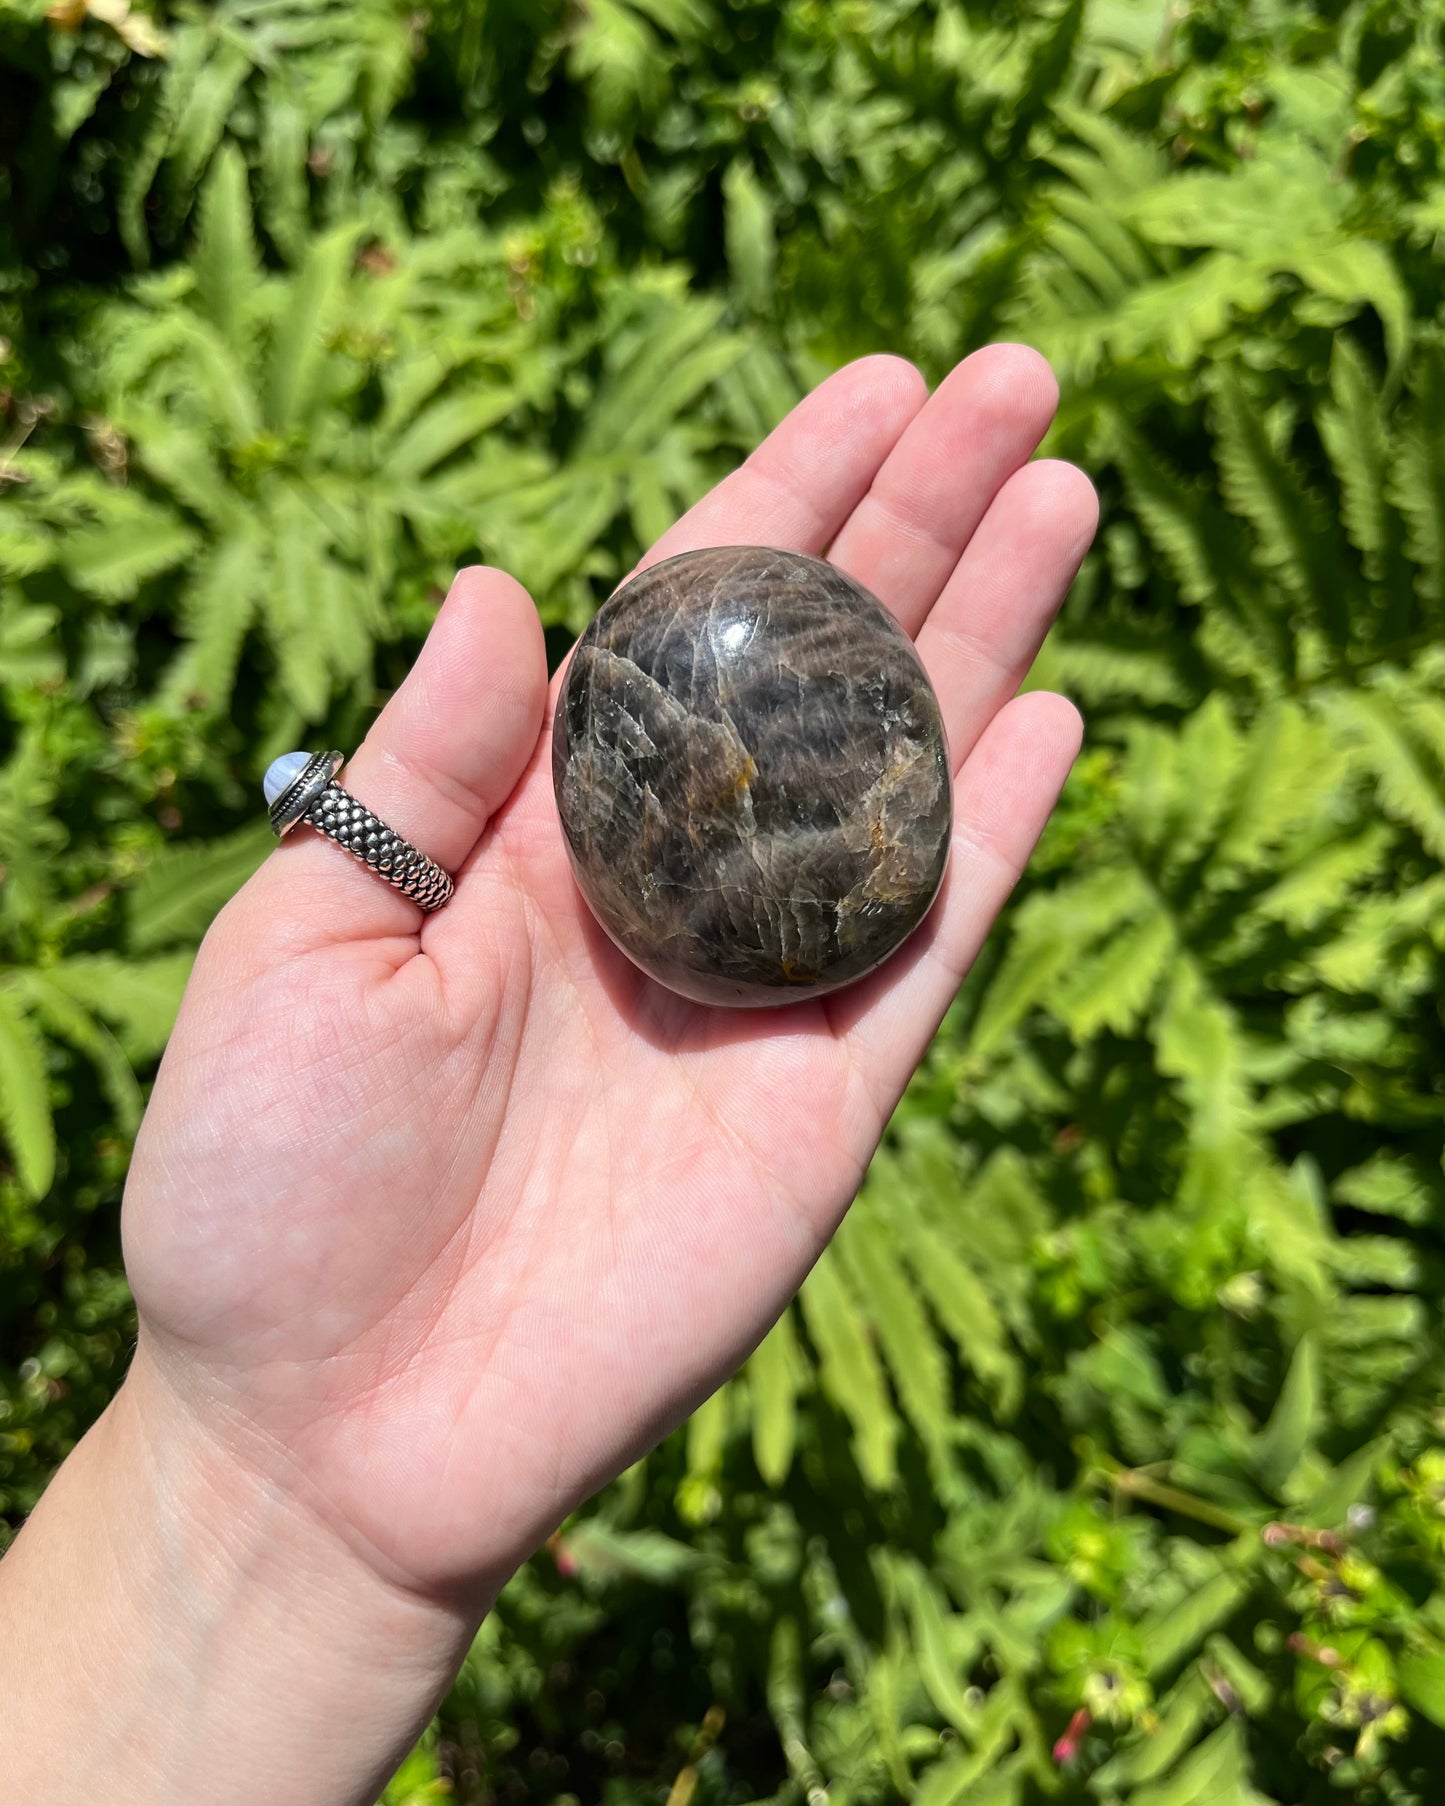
311	794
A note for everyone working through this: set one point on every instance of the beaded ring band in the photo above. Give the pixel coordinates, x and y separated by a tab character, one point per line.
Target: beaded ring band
301	786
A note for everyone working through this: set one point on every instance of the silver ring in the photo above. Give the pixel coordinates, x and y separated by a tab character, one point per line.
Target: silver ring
301	787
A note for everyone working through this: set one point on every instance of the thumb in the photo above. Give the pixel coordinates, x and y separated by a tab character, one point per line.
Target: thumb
441	758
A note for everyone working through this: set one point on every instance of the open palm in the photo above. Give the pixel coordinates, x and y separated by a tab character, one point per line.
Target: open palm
441	1221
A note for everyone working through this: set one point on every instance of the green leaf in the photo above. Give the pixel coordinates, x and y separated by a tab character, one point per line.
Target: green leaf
29	647
1347	1484
295	602
183	887
707	1435
960	1300
1198	1043
656	379
181	459
609	1554
139	996
1211	1775
298	344
283	175
1151	1756
1353	429
206	98
850	1372
1049	934
216	609
1358	269
1323	883
1265	488
1178	522
787	1697
1408	790
114	561
749	235
226	264
1295	1421
220	374
1420	1675
1390	1186
65	1017
25	1097
1111	988
911	1350
1172	1636
26	546
1287	768
943	1657
445	427
1417	485
775	1373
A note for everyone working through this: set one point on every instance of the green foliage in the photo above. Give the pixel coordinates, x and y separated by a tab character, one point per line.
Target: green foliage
1103	1456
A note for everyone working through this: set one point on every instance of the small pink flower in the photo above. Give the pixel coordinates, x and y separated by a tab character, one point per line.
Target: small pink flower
1067	1747
567	1563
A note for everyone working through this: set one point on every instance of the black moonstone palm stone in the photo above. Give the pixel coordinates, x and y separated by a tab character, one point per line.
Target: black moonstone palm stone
752	776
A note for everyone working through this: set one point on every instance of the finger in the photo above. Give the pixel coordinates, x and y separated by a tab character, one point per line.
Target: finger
986	628
801	484
985	420
1002	799
441	758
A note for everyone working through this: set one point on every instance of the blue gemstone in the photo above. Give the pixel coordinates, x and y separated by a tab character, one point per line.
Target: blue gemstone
281	773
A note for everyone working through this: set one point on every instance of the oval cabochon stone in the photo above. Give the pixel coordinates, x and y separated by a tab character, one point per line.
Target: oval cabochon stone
752	776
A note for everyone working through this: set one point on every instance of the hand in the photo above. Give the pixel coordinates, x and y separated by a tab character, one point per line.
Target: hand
437	1223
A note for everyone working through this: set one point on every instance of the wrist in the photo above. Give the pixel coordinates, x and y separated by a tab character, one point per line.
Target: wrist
216	1638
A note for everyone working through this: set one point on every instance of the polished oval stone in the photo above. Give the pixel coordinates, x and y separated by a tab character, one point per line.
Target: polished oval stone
752	777
282	773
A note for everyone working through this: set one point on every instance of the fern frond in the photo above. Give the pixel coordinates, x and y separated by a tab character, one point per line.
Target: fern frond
776	1371
849	1370
139	997
1387	1185
294	598
961	1301
911	1351
653	374
1290	765
1407	791
114	560
1211	753
66	1017
25	1096
1322	883
1352	426
1417	484
183	887
282	172
749	235
217	608
1050	932
1176	519
180	459
30	652
1264	488
206	102
443	428
1113	986
297	347
226	264
26	546
1199	1044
